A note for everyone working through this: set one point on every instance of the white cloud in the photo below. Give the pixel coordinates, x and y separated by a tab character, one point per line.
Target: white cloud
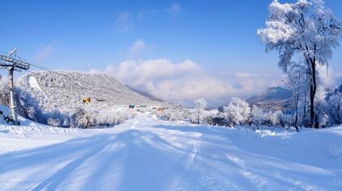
337	77
174	8
44	52
183	82
124	22
137	47
248	83
145	13
180	82
127	21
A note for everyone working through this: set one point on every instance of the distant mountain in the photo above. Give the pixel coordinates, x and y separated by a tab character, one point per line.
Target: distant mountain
273	98
272	94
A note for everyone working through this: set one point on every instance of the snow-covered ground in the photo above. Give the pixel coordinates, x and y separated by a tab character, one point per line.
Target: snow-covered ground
148	154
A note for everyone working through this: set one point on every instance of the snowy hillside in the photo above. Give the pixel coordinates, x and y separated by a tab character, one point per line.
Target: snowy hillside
53	97
148	154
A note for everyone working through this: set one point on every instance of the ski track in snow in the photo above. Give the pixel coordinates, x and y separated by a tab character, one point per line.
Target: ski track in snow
148	154
34	84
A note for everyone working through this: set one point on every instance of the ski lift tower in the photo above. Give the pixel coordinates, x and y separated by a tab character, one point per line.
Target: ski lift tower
12	63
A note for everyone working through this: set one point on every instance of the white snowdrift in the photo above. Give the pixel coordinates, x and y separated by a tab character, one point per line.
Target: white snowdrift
148	154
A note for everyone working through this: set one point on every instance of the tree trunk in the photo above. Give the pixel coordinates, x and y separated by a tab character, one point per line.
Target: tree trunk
338	114
305	109
297	110
313	88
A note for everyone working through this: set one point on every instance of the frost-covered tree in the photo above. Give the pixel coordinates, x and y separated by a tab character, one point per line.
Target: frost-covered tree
305	30
297	82
4	91
258	116
334	105
237	111
83	119
261	117
200	105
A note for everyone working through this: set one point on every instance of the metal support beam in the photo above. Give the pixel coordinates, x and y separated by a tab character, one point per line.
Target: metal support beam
11	89
12	63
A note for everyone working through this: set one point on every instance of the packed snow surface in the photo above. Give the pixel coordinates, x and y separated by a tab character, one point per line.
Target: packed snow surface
34	84
149	154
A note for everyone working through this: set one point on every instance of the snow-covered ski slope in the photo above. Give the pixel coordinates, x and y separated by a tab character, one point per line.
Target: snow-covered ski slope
148	154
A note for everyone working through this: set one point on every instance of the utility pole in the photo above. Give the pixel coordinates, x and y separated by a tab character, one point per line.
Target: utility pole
11	63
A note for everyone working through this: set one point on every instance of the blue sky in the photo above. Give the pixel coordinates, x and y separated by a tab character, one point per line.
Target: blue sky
218	36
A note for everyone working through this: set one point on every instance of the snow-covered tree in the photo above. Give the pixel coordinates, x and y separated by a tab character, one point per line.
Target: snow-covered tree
200	105
237	111
334	105
258	116
4	91
297	82
261	117
305	30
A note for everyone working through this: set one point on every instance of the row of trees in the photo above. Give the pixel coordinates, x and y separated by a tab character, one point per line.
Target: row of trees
239	112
